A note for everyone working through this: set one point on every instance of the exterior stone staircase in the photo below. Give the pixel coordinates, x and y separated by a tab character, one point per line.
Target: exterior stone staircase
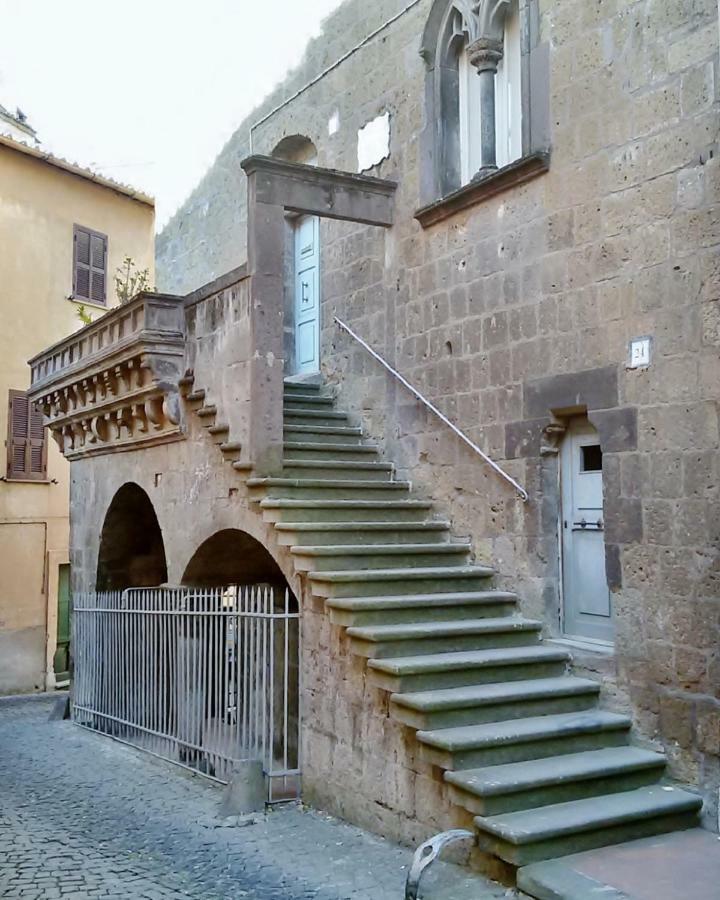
522	742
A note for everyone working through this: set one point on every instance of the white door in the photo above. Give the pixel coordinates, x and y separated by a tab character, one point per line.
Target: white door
307	295
587	610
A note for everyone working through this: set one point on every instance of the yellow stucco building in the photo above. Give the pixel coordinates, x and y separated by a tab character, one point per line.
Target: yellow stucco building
64	231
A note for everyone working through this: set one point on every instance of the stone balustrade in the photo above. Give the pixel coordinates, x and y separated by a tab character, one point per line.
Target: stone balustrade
113	385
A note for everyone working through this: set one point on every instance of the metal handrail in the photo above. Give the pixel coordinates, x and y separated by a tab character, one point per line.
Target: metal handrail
500	471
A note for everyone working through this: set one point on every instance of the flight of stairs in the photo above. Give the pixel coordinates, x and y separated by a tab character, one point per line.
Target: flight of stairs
522	743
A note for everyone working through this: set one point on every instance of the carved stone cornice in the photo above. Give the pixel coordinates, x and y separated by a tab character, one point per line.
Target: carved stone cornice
113	385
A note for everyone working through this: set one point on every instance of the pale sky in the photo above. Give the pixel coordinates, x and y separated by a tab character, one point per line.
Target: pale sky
147	91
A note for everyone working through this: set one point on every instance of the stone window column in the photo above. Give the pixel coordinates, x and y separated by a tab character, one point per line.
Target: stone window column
485	54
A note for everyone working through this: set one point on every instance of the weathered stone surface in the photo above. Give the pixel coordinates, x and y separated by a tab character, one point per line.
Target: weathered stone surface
506	310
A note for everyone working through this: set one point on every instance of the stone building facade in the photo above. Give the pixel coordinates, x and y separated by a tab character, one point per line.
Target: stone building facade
575	286
46	205
506	310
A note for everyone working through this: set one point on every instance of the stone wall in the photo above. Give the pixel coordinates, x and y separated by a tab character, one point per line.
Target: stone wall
356	761
521	307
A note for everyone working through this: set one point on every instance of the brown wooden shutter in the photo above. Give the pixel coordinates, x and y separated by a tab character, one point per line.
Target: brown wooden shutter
98	256
27	445
89	265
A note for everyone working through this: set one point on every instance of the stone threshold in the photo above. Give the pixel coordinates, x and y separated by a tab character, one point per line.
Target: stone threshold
601	648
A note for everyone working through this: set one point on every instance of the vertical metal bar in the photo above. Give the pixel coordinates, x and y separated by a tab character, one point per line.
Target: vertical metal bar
213	667
271	700
286	659
264	620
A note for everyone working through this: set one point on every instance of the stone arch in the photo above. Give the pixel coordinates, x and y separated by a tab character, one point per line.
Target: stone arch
132	550
232	556
296	148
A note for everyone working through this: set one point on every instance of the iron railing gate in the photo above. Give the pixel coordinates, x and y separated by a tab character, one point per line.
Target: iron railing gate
206	678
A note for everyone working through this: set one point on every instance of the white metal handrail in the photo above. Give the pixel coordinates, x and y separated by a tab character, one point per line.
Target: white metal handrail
416	393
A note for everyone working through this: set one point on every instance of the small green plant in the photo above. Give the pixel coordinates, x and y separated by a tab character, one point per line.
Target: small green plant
83	314
129	280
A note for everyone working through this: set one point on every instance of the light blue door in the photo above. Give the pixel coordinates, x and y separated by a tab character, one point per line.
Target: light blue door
307	295
587	600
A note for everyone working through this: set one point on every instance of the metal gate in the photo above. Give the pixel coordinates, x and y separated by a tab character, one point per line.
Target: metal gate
206	678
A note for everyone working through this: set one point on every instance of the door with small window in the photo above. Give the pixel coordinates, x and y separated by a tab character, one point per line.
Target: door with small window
587	605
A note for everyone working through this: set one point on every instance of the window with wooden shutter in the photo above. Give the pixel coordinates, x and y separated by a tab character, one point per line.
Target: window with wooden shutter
26	443
89	265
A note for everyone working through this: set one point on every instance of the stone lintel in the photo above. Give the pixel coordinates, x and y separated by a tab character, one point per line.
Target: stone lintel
322	192
573	392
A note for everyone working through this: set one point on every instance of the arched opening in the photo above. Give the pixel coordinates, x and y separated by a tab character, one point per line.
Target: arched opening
132	552
237	655
232	557
296	148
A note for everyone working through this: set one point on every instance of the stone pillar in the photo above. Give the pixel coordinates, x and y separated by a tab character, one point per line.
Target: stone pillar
266	244
485	52
485	55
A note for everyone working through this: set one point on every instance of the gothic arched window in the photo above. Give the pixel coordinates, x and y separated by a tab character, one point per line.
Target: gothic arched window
476	92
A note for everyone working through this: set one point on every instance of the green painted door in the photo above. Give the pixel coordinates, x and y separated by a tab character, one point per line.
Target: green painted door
61	662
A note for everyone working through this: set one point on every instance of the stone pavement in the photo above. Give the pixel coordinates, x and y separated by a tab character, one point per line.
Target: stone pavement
684	865
84	816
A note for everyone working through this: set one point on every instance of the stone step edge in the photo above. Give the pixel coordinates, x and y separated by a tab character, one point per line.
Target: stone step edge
578	816
426	664
448	548
538	728
586	765
468	696
363	526
420	601
400	574
419	630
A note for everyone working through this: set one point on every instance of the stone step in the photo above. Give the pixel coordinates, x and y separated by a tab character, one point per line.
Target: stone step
473	746
300	387
196	396
388	641
445	670
337	469
367	533
307	400
304	415
536	834
377	556
207	412
321	451
362	611
321	488
187	380
231	449
354	583
557	779
481	703
278	509
220	429
345	434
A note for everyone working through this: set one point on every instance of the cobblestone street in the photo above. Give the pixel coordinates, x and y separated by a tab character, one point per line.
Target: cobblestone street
84	816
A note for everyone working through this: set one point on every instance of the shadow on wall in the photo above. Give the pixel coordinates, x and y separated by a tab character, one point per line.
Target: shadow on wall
232	557
132	552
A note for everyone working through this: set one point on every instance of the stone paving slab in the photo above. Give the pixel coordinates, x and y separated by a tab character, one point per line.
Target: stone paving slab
84	816
684	865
